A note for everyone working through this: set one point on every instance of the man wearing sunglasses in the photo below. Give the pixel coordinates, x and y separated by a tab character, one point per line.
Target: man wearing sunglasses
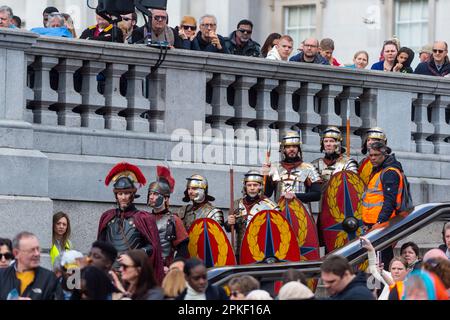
160	31
240	41
128	25
439	65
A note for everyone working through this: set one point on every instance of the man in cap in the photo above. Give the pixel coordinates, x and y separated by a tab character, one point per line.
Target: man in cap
248	206
425	53
375	134
335	159
126	227
201	207
172	233
292	177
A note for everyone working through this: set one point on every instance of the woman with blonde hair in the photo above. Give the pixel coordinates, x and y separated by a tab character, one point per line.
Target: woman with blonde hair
173	284
60	236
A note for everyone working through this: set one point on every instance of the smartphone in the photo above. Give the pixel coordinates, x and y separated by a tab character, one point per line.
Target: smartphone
379	257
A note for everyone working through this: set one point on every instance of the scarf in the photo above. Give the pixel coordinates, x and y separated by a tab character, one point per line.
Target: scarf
191	294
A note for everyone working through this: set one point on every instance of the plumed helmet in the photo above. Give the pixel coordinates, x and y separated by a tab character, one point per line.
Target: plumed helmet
197	181
164	183
373	133
126	177
331	132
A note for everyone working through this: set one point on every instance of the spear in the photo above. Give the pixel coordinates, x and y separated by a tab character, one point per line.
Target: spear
348	129
231	211
267	161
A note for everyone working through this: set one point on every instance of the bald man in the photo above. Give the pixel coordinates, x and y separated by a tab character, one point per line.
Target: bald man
309	53
439	65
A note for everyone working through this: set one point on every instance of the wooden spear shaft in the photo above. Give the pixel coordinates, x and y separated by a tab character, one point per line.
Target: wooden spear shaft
232	202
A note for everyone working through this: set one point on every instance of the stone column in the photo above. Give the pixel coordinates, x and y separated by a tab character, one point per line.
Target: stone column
265	115
441	127
114	101
221	110
347	99
309	118
68	98
424	128
243	112
91	99
156	91
287	117
137	103
327	106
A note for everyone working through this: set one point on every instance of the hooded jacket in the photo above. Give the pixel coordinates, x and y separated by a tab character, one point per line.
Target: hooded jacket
407	64
355	290
390	181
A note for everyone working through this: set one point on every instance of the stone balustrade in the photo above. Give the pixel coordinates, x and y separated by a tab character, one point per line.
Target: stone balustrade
70	109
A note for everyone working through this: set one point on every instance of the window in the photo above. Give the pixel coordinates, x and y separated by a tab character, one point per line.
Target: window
300	22
411	22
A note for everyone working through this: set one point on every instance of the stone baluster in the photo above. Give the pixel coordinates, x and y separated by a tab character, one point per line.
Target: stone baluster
347	100
441	127
243	112
208	107
114	101
309	118
424	128
156	94
368	104
137	103
327	105
44	95
265	115
221	110
91	99
68	98
29	94
287	116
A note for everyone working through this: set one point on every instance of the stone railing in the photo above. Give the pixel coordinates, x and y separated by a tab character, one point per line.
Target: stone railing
70	109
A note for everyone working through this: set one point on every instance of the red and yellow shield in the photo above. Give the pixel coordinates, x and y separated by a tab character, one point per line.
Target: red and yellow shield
304	227
365	169
340	219
208	242
269	235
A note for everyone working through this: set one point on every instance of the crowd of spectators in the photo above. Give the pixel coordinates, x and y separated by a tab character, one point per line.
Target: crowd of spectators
203	36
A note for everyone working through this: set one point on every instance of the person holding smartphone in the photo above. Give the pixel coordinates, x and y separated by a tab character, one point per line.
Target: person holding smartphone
207	38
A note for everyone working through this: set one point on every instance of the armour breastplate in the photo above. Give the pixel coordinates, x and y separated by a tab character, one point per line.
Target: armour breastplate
263	204
205	211
123	235
161	223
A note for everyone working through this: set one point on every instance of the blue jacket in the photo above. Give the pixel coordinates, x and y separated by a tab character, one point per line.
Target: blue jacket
378	66
317	60
53	32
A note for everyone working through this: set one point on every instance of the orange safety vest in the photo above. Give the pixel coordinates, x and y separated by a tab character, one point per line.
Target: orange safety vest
373	198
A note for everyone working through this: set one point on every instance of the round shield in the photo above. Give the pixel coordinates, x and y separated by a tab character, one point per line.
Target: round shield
340	219
208	242
365	169
304	227
269	237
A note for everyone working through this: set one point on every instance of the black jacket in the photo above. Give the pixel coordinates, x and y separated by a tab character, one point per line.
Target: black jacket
138	37
200	44
317	60
44	287
430	69
251	48
355	290
390	181
212	293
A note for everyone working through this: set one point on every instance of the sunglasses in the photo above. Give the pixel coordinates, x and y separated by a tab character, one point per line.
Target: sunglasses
245	31
160	18
193	28
208	25
438	51
8	256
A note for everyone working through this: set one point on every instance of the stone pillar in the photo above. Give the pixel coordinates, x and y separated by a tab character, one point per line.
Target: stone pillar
114	101
68	98
347	99
156	90
265	115
91	99
309	118
44	95
287	117
243	112
137	103
327	106
442	128
221	110
424	128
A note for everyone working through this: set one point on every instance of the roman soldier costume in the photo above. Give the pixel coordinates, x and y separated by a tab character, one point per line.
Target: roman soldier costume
293	175
172	233
200	206
126	227
248	206
336	161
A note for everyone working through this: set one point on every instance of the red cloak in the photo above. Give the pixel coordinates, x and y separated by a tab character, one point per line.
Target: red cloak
146	224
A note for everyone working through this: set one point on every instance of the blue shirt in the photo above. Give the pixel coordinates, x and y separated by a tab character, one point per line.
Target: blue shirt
53	32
